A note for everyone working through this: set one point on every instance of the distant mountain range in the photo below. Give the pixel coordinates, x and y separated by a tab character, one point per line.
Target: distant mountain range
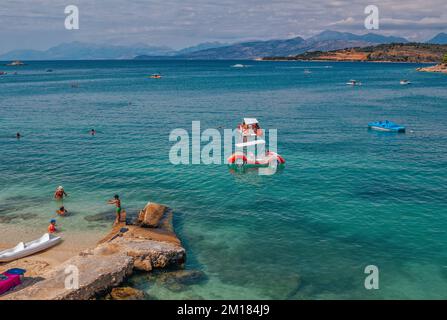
86	51
440	38
325	41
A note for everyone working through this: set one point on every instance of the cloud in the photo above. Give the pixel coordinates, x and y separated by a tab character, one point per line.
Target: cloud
179	23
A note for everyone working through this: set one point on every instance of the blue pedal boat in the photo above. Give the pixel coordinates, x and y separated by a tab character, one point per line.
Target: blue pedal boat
386	125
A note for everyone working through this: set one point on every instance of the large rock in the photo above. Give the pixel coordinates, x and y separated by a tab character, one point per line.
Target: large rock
98	270
151	215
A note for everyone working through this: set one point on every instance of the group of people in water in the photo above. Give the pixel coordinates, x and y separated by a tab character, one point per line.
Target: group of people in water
60	194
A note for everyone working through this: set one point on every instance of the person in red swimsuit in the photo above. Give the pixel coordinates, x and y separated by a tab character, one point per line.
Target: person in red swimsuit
60	193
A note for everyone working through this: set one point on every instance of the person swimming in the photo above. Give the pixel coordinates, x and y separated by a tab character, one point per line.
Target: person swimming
18	135
62	211
60	193
117	202
93	132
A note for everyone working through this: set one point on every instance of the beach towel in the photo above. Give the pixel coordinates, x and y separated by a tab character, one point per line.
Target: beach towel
9	281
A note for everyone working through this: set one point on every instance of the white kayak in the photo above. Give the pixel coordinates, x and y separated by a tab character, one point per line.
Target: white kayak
25	249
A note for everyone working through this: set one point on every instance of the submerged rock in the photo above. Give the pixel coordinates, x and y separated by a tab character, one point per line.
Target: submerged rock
21	216
101	217
179	280
126	293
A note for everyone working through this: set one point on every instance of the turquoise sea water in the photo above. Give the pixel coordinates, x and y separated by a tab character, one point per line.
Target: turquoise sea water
347	197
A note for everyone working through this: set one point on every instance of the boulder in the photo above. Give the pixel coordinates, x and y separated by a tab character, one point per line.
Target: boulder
126	293
151	215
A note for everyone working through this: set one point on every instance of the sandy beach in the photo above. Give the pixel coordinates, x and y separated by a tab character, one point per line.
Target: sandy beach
38	264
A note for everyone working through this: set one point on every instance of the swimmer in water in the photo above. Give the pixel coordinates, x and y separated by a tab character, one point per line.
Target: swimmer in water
60	193
62	211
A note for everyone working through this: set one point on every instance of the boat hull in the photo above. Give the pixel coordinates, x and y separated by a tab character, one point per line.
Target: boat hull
243	159
377	128
29	248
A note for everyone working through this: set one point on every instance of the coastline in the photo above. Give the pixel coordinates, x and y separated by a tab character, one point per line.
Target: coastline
103	261
439	68
36	265
330	60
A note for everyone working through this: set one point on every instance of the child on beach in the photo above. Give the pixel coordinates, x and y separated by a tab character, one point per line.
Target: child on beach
117	202
52	226
62	211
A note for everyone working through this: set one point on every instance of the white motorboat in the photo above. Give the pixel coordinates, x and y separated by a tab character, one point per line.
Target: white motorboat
28	248
354	83
405	82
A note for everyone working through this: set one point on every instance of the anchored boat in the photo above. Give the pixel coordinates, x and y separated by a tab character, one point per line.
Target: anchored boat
405	82
386	125
354	83
250	131
25	249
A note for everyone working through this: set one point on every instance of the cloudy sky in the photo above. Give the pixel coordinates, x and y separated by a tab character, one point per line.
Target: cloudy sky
39	24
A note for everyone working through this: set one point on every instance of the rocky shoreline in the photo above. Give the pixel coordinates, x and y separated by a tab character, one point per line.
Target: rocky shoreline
147	244
441	68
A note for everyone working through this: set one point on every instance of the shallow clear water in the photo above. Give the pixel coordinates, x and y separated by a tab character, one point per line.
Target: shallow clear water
347	197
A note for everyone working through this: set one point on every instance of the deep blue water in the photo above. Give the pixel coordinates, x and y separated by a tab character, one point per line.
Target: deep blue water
347	197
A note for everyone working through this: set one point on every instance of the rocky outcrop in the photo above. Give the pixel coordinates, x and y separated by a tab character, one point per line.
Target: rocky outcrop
151	215
81	277
124	249
442	68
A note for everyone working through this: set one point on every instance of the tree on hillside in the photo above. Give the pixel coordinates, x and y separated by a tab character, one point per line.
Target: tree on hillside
445	59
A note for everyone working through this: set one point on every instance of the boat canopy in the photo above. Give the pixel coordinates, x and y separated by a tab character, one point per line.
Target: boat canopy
250	121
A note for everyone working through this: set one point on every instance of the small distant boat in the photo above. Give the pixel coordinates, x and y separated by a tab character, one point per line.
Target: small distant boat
2	73
306	71
49	70
354	83
405	82
25	249
238	65
386	125
155	76
16	63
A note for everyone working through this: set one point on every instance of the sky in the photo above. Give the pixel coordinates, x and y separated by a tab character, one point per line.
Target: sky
39	24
